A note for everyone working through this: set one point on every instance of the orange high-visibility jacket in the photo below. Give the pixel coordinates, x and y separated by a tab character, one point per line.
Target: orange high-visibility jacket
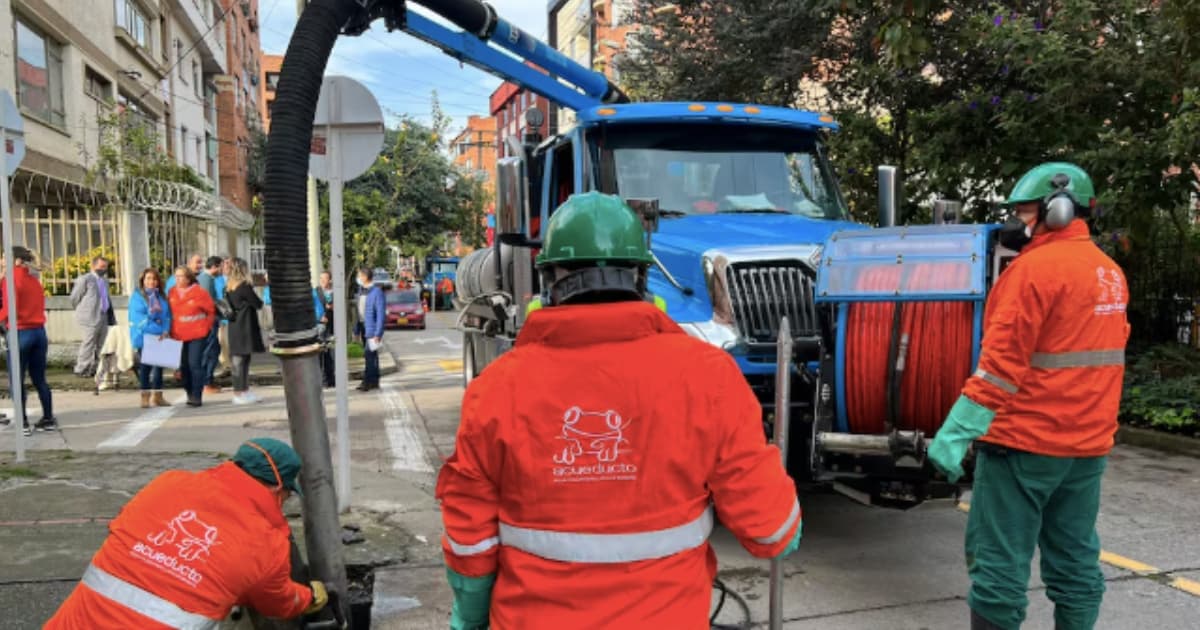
591	463
192	311
1053	354
183	552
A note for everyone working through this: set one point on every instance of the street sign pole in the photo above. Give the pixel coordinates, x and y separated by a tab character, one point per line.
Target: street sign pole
347	137
11	139
337	255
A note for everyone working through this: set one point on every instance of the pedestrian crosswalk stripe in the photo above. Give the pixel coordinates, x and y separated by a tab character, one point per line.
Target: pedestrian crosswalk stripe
451	365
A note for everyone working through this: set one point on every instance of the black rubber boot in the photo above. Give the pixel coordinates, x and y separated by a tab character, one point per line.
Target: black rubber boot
978	622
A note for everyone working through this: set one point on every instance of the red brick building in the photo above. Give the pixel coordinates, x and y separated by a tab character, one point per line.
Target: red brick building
268	81
508	105
238	98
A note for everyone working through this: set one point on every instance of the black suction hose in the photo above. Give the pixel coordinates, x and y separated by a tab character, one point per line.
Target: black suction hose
285	208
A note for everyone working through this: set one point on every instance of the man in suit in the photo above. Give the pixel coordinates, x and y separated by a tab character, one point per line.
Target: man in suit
93	313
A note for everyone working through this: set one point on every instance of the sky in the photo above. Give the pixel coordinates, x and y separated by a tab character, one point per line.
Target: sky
402	71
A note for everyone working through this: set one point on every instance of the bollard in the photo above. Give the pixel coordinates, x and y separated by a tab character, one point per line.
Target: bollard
783	395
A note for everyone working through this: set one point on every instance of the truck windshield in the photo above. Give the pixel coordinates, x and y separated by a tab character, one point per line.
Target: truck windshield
711	168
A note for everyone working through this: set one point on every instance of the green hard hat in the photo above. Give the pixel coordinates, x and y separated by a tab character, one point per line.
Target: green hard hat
1038	183
594	228
257	456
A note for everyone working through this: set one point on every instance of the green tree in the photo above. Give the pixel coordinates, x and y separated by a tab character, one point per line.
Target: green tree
964	96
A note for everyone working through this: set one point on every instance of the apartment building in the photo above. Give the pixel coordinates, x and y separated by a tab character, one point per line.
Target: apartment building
474	149
592	33
71	67
268	80
197	55
508	106
238	99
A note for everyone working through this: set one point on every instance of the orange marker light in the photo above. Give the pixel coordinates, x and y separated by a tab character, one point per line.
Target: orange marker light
696	108
724	108
826	119
753	110
606	111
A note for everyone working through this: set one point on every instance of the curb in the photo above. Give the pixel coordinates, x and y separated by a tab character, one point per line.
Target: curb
1159	441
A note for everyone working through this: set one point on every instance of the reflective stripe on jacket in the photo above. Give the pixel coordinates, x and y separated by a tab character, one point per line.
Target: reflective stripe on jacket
183	552
1053	356
192	312
592	494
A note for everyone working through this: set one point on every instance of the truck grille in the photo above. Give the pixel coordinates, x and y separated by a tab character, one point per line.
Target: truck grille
762	293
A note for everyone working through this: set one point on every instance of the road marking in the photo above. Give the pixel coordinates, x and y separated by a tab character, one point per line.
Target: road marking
407	452
452	365
1129	564
141	427
1191	587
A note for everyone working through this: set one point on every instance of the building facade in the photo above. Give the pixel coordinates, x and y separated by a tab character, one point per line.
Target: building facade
75	68
238	100
508	105
474	149
267	82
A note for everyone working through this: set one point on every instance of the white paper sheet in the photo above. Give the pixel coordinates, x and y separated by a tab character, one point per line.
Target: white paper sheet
163	353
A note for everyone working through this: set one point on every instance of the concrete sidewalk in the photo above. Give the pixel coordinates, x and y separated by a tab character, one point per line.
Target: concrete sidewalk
264	371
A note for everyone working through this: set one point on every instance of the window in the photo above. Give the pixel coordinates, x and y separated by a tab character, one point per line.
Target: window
132	18
210	107
237	94
200	154
96	86
179	61
210	153
197	86
272	81
39	75
183	145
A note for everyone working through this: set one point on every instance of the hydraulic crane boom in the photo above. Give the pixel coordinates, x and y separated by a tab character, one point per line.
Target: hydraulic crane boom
496	46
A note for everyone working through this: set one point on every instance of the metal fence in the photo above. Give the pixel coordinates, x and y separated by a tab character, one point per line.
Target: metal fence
65	239
174	237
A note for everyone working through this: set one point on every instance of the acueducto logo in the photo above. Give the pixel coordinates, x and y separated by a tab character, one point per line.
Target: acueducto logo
594	442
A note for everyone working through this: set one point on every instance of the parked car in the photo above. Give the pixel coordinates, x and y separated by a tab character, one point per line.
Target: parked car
404	309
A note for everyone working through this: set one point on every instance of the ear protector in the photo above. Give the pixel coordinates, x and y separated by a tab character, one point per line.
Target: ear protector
274	469
1057	209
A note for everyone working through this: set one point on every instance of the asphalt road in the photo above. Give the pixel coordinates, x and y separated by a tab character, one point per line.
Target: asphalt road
857	567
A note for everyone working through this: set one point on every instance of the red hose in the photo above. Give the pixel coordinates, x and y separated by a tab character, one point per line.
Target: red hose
936	364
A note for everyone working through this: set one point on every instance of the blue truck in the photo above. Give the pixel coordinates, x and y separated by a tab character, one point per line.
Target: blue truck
748	228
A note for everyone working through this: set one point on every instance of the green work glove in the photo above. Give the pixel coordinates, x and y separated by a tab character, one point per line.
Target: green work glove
472	600
967	420
794	545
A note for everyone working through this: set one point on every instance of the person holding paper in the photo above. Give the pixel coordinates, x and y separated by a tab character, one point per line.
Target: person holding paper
149	314
33	344
193	313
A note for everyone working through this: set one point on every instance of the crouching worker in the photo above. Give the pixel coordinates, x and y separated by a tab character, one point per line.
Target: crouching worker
191	545
587	501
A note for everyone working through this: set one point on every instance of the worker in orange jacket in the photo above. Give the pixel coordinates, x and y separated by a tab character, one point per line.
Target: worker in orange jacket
191	545
1043	404
594	458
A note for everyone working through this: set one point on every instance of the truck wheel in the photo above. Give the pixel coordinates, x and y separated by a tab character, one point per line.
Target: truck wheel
469	363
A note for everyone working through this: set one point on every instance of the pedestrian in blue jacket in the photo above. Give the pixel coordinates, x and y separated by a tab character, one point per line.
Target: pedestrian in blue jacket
374	316
149	314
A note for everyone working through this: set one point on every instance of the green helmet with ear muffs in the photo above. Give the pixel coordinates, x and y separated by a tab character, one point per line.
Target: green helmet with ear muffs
602	242
1062	190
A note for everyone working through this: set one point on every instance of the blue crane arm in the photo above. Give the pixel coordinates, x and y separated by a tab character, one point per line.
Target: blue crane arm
469	48
487	41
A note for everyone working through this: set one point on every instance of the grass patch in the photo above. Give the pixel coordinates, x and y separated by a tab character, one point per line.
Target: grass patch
18	472
354	350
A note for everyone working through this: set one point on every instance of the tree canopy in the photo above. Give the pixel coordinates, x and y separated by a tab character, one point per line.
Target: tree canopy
964	97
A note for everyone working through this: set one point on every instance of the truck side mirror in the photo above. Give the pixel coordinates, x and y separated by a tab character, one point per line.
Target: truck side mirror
889	195
512	195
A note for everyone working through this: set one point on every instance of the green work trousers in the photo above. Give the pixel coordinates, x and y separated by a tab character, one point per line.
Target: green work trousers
1022	501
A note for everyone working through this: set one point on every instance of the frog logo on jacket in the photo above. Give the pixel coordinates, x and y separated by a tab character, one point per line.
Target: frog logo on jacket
593	447
186	539
1112	291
